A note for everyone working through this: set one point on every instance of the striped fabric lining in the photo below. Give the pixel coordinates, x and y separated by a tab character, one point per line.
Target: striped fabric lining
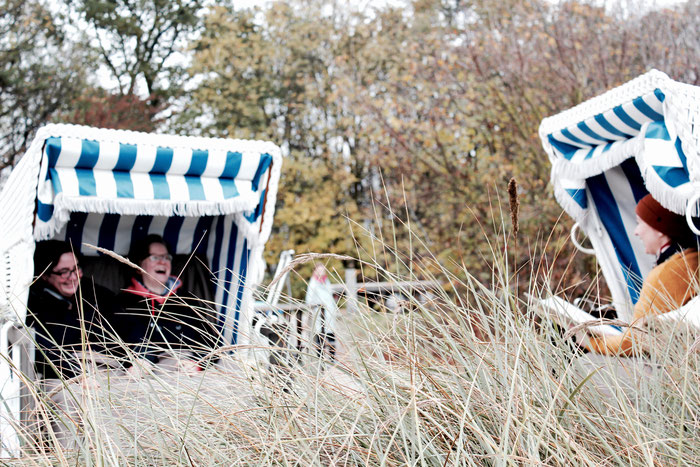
608	162
92	176
600	132
212	196
655	149
216	237
636	129
614	195
657	152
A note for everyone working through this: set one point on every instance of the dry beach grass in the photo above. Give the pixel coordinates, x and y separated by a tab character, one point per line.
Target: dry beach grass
469	378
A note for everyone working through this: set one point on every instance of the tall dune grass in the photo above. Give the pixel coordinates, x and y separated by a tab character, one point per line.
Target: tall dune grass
468	378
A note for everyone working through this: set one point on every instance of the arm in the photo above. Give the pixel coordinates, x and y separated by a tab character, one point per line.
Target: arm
133	326
667	287
611	345
200	330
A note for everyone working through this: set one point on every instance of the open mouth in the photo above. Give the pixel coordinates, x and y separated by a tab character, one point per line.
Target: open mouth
161	271
70	287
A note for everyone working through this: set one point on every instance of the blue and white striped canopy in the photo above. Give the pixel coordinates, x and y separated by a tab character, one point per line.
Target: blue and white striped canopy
96	171
108	188
608	153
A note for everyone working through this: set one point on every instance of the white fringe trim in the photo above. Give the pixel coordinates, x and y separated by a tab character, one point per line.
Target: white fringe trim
567	203
63	206
681	106
268	216
256	233
674	199
597	165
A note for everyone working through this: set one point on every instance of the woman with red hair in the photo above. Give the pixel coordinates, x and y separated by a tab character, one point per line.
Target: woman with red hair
669	285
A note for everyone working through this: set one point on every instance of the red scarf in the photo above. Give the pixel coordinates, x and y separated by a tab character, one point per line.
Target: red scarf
137	288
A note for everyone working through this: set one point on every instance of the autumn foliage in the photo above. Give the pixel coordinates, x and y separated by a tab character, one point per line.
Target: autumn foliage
421	115
396	121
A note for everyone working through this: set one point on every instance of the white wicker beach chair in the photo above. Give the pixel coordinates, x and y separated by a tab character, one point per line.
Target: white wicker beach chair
610	151
106	187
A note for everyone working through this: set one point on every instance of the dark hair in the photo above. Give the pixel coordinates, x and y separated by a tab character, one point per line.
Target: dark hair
48	253
140	249
661	219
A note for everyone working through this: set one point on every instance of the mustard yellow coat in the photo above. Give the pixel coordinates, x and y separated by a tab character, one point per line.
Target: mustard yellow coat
668	286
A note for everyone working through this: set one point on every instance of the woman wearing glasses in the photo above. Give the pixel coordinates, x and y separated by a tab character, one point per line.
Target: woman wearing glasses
70	315
165	324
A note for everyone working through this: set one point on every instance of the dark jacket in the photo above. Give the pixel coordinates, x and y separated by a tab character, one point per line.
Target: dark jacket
60	322
156	324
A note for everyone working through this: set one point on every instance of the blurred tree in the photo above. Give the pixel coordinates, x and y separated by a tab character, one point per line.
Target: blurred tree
141	42
455	96
99	108
41	72
421	114
273	78
668	40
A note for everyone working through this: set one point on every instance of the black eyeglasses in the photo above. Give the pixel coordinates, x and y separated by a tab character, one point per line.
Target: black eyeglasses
65	273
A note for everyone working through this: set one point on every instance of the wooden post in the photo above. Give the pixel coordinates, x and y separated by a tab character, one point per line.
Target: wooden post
23	341
351	288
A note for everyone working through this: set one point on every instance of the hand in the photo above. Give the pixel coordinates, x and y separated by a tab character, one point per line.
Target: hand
139	369
89	382
580	336
187	366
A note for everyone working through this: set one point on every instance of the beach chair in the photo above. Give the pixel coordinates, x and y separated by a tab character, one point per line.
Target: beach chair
106	188
609	152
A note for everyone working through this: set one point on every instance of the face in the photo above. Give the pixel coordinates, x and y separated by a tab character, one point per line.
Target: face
652	239
65	275
158	266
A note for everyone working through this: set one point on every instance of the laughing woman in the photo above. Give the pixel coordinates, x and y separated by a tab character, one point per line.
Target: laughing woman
163	322
72	316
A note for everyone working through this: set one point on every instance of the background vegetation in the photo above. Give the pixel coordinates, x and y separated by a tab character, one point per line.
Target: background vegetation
402	124
466	380
422	109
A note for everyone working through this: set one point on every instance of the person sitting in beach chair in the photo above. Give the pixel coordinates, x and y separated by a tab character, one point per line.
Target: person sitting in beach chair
669	285
72	316
163	322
